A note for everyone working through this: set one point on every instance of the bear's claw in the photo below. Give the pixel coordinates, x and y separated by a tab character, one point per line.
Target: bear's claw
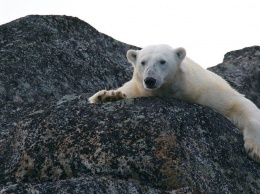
106	96
252	152
252	147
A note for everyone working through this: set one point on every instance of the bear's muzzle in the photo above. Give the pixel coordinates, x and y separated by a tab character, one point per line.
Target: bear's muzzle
150	82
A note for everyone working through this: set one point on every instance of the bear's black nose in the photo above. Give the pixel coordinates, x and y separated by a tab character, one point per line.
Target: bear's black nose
149	82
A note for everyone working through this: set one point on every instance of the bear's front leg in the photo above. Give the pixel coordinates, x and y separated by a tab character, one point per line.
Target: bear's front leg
107	96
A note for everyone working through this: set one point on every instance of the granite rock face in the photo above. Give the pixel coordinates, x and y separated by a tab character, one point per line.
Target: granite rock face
53	142
44	58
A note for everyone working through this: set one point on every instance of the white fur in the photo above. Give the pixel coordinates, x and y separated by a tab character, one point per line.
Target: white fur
179	77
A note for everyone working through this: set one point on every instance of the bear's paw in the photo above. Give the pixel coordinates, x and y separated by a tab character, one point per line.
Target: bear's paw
107	96
252	141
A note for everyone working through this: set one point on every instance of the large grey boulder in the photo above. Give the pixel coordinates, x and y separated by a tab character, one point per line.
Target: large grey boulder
53	142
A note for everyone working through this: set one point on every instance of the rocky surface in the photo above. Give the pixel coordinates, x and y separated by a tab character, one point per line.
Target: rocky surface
53	142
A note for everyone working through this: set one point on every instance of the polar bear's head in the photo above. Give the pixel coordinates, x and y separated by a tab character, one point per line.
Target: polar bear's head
156	65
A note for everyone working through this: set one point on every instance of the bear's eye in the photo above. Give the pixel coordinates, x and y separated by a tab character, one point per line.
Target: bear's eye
162	62
143	62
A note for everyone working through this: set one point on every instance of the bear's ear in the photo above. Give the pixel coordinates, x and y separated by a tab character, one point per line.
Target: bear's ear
180	52
132	56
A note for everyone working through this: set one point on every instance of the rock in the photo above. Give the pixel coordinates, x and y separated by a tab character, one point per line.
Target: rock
241	69
47	57
88	184
53	142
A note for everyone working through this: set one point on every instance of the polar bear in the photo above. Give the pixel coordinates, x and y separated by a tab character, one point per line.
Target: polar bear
160	70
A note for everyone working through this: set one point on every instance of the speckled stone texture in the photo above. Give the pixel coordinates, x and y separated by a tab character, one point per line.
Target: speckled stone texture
53	142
